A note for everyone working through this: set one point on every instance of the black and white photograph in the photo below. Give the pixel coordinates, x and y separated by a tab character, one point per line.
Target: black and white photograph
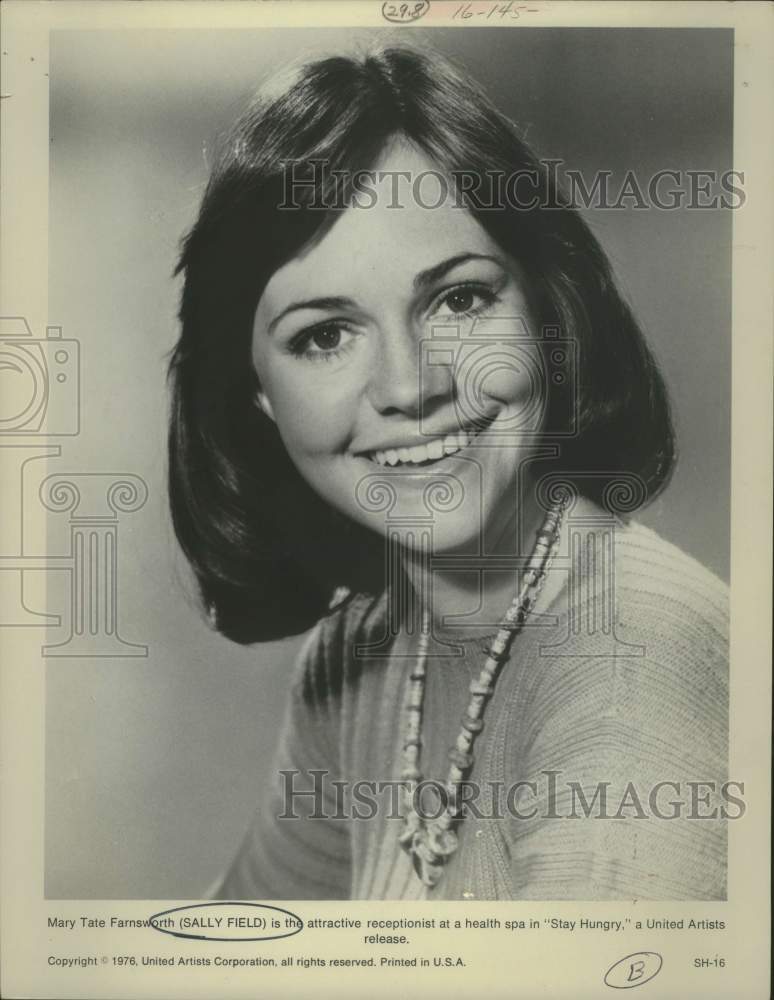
371	472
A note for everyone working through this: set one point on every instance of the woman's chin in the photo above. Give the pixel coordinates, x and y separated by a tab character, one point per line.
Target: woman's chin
441	535
454	505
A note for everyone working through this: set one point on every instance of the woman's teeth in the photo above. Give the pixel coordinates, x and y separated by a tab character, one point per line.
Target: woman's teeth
429	452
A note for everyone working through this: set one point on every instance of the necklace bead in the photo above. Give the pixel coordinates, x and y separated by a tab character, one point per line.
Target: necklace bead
471	723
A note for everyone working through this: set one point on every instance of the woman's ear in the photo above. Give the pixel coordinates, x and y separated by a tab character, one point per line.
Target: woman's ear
261	400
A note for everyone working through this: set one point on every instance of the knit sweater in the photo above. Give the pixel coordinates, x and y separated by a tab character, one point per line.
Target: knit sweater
615	686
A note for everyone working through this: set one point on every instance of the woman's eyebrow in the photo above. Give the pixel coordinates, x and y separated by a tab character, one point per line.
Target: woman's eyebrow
438	271
329	302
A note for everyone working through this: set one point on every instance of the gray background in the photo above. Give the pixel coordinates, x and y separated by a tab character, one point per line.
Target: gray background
153	765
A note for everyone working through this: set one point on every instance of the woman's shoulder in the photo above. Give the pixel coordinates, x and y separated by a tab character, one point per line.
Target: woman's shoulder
641	636
630	683
667	593
644	556
328	656
644	570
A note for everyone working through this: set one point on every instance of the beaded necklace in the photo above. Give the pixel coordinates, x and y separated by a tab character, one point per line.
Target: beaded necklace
431	842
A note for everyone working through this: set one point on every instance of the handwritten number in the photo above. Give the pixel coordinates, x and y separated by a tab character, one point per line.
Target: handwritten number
502	10
404	12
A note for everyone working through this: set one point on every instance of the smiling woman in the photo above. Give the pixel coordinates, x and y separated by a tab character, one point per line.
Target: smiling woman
339	375
423	423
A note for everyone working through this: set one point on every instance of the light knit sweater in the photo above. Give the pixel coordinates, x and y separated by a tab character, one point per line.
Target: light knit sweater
639	695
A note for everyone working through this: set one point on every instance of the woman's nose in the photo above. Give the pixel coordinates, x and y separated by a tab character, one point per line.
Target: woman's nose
404	378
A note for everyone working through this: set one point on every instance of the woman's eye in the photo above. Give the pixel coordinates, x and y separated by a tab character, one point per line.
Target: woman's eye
460	301
466	300
327	338
321	343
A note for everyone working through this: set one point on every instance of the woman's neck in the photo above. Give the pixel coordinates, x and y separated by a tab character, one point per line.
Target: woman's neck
468	594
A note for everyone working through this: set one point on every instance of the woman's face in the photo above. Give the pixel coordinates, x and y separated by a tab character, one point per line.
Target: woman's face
397	353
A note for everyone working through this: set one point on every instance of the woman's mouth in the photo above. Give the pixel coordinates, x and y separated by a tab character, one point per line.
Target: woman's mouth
433	450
